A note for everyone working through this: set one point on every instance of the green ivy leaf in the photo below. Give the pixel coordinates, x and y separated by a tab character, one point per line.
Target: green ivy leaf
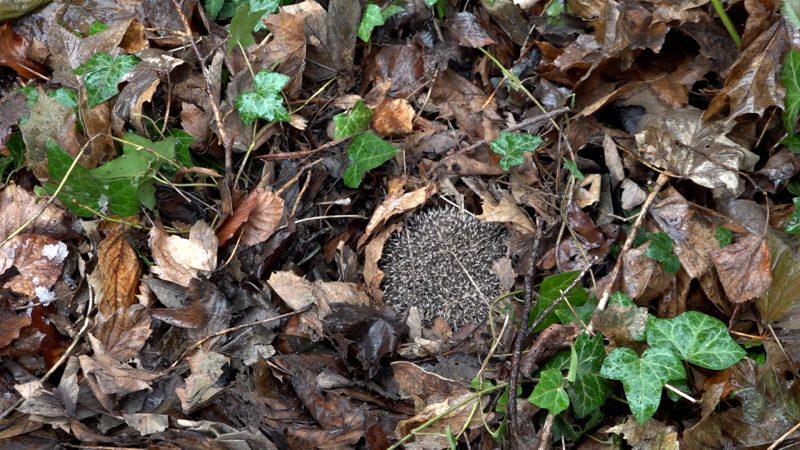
724	236
213	8
643	378
102	73
697	338
793	222
240	31
660	249
549	393
352	123
266	101
791	10
572	167
512	146
790	78
373	17
550	291
366	152
182	142
589	391
266	7
96	27
65	96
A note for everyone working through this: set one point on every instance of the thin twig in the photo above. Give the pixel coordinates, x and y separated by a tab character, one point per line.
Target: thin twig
662	179
530	275
223	134
547	430
784	437
524	124
236	328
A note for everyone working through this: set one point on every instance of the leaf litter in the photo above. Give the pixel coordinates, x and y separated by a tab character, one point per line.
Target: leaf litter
199	201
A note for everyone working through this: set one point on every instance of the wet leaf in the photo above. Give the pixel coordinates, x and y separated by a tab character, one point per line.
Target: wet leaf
102	73
781	301
353	122
744	268
698	338
549	392
367	151
513	145
643	378
265	101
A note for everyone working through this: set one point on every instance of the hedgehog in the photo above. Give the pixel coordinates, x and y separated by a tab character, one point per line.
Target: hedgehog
442	263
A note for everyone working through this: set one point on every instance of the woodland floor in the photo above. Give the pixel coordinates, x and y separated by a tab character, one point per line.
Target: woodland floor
197	196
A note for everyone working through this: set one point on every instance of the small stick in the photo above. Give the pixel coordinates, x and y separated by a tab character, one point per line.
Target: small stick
662	179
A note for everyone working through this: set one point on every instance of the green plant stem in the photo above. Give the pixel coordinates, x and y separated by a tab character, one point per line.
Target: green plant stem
446	412
727	22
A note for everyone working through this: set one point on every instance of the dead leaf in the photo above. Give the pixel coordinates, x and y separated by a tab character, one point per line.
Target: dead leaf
464	29
681	143
11	324
744	268
394	203
258	216
393	117
401	65
588	191
113	377
653	435
116	276
50	121
14	53
19	206
40	262
68	51
178	259
124	331
146	423
206	369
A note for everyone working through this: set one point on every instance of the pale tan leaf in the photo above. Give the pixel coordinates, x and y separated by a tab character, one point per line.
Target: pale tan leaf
112	377
258	216
178	259
147	423
395	202
123	332
116	276
206	370
19	206
744	268
39	260
393	117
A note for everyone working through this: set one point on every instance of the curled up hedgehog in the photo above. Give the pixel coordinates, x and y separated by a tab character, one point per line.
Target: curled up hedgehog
442	263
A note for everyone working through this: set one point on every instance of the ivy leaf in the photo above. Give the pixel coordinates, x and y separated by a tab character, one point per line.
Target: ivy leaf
366	152
240	31
572	166
791	10
724	236
266	101
660	249
698	338
512	146
352	123
96	27
589	390
373	17
790	78
266	7
793	222
550	290
102	73
549	392
643	378
213	8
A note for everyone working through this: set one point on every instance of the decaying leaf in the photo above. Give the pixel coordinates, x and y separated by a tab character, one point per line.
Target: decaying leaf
178	259
206	370
258	216
744	268
117	274
39	260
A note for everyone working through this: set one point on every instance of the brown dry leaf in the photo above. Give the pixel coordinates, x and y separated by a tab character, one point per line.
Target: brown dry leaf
123	332
178	259
299	293
14	53
753	84
504	211
39	260
681	143
588	192
116	276
744	268
146	423
464	29
206	369
642	278
11	324
632	195
258	216
112	377
50	120
373	275
41	402
287	47
19	206
393	117
395	202
456	97
652	436
195	122
401	65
